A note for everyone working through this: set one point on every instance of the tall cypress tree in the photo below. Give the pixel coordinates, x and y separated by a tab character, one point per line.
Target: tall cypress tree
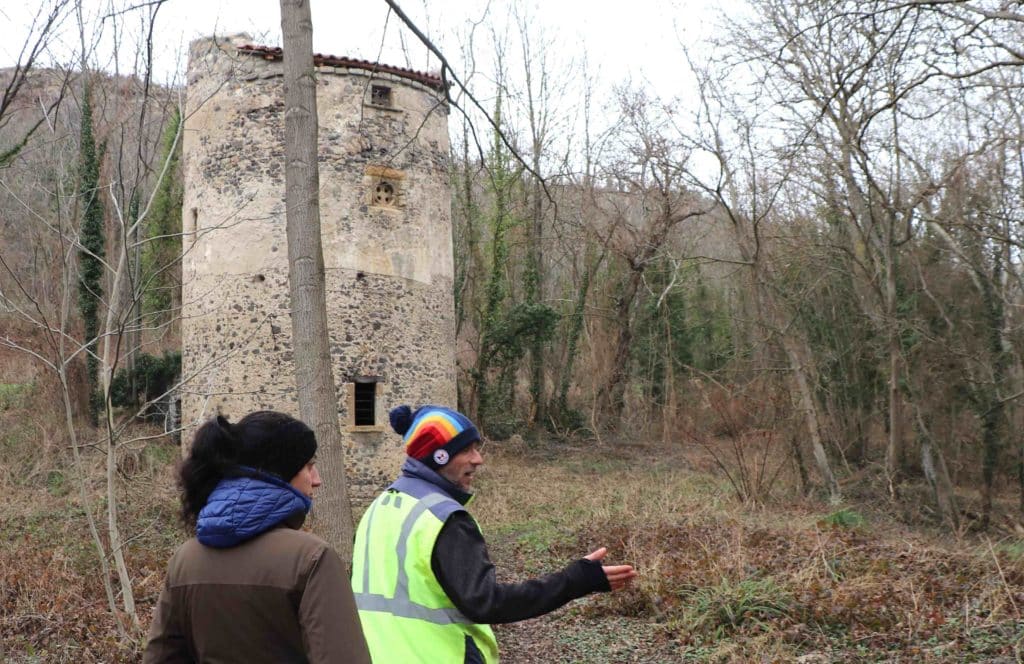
163	229
92	241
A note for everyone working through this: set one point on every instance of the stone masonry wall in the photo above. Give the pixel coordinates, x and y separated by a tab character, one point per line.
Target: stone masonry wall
386	229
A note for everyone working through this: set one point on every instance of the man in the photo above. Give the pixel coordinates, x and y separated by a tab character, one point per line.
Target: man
424	584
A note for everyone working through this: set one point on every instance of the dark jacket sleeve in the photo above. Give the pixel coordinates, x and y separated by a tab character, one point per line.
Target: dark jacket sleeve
166	643
464	569
331	630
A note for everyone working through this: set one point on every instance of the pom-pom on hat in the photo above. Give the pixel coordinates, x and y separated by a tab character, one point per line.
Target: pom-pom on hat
433	434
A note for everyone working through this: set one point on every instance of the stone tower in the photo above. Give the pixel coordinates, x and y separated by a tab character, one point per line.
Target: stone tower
385	209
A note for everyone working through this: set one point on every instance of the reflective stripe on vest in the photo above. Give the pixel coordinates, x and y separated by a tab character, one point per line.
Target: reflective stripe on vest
400	605
407	609
409	620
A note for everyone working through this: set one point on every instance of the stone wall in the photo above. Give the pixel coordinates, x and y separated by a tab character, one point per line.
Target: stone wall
385	208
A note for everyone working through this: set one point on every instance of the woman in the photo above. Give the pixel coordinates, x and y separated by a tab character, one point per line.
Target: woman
251	586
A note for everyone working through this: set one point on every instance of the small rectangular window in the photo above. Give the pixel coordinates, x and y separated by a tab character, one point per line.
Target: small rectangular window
364	406
380	95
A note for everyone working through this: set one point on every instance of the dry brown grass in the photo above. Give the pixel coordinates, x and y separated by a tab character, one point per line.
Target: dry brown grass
722	581
52	603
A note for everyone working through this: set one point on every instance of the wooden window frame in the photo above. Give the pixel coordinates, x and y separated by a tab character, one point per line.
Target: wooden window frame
378	413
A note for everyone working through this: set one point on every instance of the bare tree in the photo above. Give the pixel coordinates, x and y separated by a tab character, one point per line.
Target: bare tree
45	24
650	167
841	76
318	401
43	185
746	185
57	343
545	83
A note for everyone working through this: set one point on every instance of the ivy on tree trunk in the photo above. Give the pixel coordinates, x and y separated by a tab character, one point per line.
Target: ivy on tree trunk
92	244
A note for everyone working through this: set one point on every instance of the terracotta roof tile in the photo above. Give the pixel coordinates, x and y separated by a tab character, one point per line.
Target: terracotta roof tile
319	59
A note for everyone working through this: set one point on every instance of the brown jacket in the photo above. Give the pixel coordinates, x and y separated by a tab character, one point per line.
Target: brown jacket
282	596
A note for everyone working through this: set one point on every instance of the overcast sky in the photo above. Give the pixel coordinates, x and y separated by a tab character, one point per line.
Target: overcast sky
638	44
638	40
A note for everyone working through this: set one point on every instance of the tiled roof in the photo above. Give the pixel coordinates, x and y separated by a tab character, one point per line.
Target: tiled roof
276	53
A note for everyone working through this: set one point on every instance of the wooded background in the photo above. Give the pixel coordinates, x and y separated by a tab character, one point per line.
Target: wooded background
811	266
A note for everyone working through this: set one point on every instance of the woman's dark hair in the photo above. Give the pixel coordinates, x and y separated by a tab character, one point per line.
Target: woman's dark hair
265	440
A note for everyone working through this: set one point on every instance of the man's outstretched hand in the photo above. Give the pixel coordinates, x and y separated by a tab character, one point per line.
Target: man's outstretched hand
619	576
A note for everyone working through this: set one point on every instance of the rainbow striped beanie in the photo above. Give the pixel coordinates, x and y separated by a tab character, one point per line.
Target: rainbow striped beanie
433	434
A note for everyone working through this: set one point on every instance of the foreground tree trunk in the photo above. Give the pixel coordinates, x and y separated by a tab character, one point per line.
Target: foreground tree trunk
318	404
895	449
934	466
797	353
113	331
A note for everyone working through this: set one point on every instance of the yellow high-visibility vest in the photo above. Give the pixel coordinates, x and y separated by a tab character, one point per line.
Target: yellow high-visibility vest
406	615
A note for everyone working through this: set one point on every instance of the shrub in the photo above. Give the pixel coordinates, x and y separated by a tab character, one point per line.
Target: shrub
845	518
13	395
152	376
722	609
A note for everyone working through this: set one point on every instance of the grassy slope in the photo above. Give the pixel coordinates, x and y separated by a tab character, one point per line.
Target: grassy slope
724	583
719	582
52	604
